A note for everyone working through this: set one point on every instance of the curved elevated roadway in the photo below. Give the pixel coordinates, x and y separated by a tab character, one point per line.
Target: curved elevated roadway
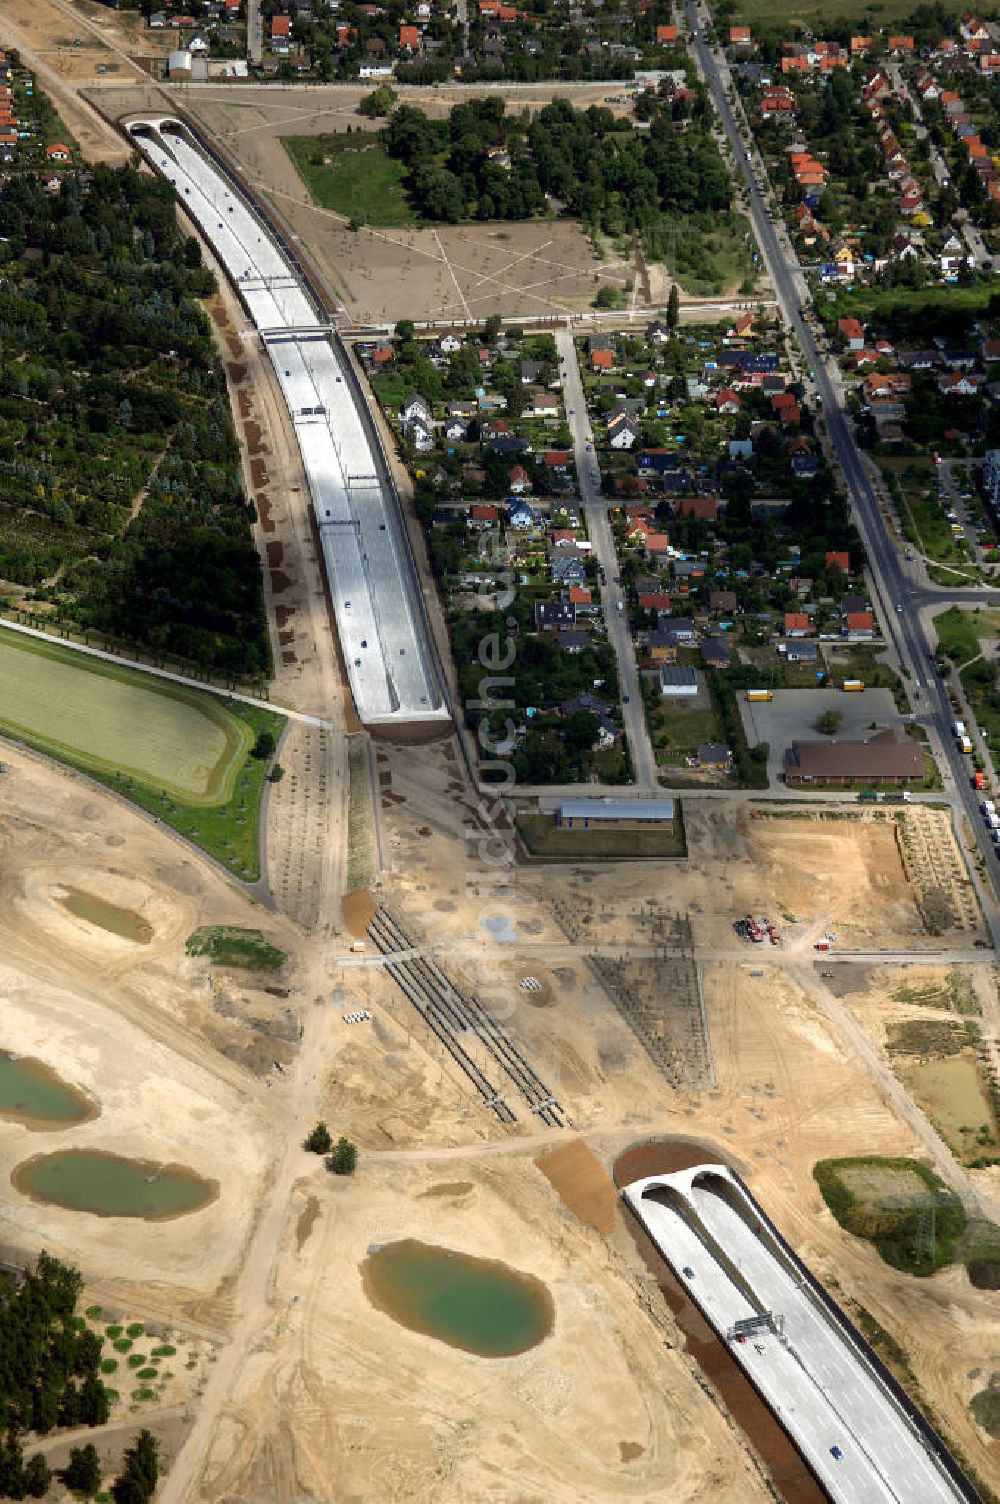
383	634
863	1440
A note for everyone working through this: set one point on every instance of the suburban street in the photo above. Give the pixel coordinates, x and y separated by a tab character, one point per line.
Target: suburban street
897	598
613	601
971	236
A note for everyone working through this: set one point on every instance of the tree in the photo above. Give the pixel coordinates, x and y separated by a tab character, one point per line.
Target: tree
37	1476
192	253
136	1483
263	747
276	774
344	1159
404	330
581	732
491	329
379	102
608	296
82	1474
830	722
673	306
319	1140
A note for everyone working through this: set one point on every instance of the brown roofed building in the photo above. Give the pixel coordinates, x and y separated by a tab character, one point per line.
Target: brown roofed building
885	757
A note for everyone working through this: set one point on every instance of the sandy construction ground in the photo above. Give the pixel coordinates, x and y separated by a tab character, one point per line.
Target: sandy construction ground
312	1393
137	1026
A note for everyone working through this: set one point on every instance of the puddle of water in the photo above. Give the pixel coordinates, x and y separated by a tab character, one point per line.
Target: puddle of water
479	1305
31	1093
304	1225
106	1185
951	1092
107	916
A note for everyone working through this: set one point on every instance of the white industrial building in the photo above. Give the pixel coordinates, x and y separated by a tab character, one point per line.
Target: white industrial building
863	1439
369	568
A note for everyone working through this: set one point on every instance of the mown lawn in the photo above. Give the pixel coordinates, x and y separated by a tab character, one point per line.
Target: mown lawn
353	176
181	754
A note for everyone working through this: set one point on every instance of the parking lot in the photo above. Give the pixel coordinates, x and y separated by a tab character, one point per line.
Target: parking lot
793	713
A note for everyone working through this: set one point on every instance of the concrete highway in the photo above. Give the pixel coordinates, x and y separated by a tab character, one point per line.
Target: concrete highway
849	1425
897	598
613	600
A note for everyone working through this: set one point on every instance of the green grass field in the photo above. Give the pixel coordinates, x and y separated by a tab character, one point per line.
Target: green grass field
959	632
351	175
182	755
180	742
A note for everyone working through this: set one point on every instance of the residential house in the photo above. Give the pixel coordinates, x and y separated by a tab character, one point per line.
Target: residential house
623	431
482	515
554	616
859	626
853	332
714	755
727	401
573	641
679	682
520	514
661	646
797	624
715	652
839	559
801	650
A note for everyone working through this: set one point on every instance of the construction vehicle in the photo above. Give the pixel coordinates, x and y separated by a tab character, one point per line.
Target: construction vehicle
965	744
756	696
822	945
978	780
852	686
754	930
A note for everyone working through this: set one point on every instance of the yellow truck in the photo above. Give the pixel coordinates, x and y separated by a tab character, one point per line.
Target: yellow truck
852	686
757	696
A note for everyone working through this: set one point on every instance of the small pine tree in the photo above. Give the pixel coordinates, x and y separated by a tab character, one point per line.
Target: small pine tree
136	1483
319	1140
82	1474
344	1159
37	1477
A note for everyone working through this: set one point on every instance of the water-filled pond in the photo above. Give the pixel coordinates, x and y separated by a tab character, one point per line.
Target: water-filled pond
32	1094
87	1180
107	916
480	1305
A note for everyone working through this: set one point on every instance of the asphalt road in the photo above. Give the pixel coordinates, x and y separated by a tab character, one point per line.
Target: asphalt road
892	588
613	600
